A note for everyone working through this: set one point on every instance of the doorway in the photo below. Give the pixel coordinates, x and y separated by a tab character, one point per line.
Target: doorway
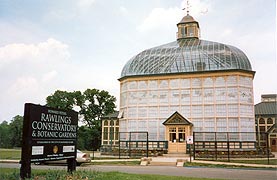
177	128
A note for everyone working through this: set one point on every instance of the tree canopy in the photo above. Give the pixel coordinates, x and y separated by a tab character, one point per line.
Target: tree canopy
91	105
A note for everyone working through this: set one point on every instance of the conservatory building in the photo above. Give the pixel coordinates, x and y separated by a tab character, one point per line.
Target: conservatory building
189	87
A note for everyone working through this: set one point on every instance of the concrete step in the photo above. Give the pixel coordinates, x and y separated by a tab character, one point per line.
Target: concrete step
176	155
166	161
162	163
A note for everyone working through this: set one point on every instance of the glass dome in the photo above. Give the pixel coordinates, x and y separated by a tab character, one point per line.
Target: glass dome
186	56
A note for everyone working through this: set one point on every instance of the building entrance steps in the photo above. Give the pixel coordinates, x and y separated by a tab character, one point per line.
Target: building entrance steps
168	160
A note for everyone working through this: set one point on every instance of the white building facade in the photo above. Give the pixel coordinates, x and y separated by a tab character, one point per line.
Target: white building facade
209	85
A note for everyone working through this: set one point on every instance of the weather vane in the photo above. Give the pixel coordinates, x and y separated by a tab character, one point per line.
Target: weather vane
187	7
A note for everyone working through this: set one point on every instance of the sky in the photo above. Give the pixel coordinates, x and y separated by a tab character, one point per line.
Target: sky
74	45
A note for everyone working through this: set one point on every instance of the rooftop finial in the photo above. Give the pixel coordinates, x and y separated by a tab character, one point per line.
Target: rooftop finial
187	7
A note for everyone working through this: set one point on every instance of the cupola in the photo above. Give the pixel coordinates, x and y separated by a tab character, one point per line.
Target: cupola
188	28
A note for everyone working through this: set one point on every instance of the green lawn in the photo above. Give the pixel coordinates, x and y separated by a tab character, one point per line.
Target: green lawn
10	154
8	174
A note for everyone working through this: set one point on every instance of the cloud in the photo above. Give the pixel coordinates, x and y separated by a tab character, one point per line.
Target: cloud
166	17
159	18
28	73
49	76
49	50
85	4
123	10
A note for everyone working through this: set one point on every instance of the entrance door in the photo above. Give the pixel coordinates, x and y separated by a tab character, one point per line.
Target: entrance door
177	142
273	145
177	128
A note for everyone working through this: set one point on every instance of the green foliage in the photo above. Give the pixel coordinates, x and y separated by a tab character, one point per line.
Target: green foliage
92	105
88	138
16	126
5	135
11	134
7	174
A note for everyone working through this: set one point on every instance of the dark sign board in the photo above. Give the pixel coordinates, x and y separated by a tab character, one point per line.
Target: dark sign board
48	134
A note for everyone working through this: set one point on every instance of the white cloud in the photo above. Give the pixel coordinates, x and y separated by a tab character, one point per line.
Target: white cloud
166	18
123	10
49	51
49	76
29	73
85	4
160	18
23	86
197	7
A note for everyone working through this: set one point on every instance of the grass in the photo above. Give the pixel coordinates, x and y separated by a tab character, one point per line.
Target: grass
126	163
260	161
11	154
10	174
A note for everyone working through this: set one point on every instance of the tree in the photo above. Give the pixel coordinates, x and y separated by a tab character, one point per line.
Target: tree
92	105
5	135
96	104
62	99
16	128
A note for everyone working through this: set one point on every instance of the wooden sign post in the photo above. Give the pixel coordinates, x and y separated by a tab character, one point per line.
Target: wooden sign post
48	134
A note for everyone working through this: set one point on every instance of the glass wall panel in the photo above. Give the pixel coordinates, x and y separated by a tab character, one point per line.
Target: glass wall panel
123	99
132	98
233	124
123	126
246	110
174	83
132	125
132	112
142	85
163	84
232	94
220	110
196	96
185	97
163	97
142	97
221	124
208	94
185	83
196	82
124	87
142	125
153	97
209	124
231	81
142	112
173	109
245	81
198	124
233	110
197	111
220	95
208	110
208	82
164	111
133	85
153	84
245	95
174	96
153	111
219	81
185	111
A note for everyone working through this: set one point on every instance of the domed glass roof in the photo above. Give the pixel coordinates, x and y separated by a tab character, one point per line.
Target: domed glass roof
186	56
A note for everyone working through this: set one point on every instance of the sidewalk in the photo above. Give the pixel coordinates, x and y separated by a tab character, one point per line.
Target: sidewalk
170	160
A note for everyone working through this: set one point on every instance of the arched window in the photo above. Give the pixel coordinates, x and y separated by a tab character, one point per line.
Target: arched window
111	123
261	121
269	121
105	123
